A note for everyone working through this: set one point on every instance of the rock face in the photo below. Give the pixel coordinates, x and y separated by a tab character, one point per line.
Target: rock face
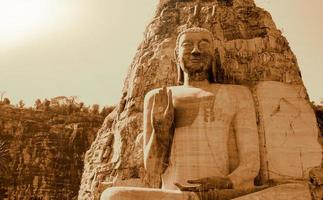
46	152
285	192
289	131
319	116
249	48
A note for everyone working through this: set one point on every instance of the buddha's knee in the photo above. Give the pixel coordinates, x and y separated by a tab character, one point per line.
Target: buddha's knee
113	193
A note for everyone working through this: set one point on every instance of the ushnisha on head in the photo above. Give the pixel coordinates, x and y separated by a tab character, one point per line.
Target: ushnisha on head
194	54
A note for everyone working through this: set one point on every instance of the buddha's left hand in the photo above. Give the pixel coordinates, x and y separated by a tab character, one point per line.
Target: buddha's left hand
205	184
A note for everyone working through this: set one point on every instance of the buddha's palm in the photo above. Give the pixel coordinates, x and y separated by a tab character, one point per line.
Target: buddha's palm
162	114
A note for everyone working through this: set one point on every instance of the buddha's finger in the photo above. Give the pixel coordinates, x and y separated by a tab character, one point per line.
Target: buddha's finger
209	186
163	94
187	188
170	100
179	186
198	181
159	102
155	104
157	109
164	89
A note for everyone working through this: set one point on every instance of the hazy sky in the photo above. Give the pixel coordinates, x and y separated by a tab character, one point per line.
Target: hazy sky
83	48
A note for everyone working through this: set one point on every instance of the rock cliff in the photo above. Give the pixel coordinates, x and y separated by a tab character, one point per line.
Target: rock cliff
42	152
249	48
319	116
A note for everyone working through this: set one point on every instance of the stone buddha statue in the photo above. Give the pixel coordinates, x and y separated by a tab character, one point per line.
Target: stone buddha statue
188	125
187	131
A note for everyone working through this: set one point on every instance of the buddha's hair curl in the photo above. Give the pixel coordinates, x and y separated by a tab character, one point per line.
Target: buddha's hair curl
192	30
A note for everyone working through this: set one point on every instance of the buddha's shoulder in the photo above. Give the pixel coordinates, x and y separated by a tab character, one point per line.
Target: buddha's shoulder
224	89
177	91
151	93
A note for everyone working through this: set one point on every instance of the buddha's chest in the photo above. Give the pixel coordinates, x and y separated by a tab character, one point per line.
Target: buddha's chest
200	109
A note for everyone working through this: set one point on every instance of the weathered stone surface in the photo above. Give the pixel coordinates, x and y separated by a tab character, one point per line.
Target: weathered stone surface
129	193
289	131
316	186
46	151
249	46
319	116
282	192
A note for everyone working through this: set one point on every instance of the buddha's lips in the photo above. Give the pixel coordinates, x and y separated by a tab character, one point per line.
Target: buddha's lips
196	60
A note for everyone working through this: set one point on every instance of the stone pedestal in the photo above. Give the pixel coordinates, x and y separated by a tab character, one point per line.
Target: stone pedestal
281	192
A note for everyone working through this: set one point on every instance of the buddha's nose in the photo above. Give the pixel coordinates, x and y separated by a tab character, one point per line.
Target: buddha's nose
196	51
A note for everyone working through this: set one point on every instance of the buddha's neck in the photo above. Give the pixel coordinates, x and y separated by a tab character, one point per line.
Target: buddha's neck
196	80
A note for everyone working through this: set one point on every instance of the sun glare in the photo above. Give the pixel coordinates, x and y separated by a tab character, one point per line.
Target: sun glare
21	20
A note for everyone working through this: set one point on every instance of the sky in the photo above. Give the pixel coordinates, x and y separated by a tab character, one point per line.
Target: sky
83	48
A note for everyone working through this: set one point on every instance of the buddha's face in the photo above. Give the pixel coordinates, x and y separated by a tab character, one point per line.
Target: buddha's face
195	52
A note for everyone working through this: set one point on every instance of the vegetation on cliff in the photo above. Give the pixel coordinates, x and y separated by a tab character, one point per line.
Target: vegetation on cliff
42	147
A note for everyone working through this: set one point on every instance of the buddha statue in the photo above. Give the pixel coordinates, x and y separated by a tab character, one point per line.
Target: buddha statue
187	130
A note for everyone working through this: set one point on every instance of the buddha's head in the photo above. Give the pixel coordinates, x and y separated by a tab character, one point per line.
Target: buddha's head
194	53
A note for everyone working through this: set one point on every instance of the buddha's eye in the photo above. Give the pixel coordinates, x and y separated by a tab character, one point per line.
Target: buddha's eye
187	45
204	45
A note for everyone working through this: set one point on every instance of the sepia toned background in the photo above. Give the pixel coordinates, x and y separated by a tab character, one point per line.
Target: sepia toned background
83	48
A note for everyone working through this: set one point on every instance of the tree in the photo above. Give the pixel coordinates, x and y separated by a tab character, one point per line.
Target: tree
38	104
2	95
107	110
21	104
73	99
81	105
95	108
85	109
46	104
6	101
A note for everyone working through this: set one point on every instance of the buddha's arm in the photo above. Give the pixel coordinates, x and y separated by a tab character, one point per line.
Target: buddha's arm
158	120
247	142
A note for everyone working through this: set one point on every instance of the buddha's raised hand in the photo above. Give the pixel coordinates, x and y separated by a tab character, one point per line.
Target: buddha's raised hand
162	114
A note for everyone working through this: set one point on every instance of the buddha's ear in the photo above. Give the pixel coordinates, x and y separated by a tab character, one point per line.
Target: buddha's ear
176	54
213	69
180	73
217	67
